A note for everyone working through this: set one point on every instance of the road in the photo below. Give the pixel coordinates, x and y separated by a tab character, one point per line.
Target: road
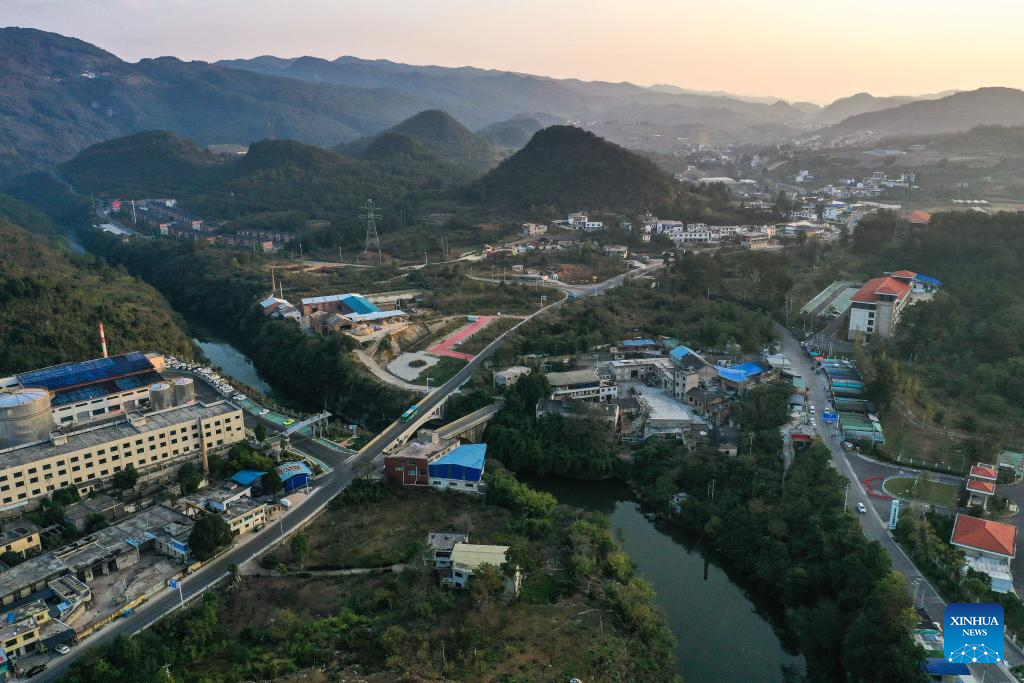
872	523
345	469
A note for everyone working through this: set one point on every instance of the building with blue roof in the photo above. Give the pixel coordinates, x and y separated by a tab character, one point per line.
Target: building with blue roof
338	303
294	475
741	377
639	345
462	469
247	477
84	391
940	668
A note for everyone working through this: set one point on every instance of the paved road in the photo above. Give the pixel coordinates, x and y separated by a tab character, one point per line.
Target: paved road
346	468
873	524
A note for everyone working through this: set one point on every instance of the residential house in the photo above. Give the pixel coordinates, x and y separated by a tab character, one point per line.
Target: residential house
989	547
467	558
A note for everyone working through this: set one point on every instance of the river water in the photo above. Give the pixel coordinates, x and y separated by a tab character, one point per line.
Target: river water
231	361
722	636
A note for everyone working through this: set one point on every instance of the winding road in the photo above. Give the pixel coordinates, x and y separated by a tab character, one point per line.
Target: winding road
345	469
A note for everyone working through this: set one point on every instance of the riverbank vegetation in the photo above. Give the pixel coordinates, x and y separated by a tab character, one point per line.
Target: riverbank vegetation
311	370
787	535
582	612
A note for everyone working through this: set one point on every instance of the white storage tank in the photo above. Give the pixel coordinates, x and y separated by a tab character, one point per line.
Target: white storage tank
184	391
160	396
25	417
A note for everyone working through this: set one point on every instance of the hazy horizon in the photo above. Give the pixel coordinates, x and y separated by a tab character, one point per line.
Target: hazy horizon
788	50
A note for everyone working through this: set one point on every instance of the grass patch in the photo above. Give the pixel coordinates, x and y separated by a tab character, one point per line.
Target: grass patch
441	372
915	488
541	589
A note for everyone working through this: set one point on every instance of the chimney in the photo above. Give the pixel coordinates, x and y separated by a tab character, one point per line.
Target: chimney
103	341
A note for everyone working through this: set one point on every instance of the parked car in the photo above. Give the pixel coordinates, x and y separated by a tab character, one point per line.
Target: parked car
861	509
35	670
239	397
847	445
285	503
62	649
264	411
290	421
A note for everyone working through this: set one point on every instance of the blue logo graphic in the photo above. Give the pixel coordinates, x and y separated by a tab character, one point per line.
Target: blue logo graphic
973	633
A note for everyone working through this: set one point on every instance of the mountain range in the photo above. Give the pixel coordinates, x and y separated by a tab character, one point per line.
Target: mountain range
61	95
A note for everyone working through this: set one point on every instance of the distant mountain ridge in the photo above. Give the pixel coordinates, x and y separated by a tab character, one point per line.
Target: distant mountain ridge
61	94
960	111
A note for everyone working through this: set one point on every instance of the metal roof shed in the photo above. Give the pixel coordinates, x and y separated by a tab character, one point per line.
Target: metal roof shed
465	463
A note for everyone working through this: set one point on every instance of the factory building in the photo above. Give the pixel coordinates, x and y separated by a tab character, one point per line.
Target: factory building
408	466
91	390
460	470
36	458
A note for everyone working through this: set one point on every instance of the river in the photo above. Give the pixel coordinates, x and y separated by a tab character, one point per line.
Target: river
230	360
722	636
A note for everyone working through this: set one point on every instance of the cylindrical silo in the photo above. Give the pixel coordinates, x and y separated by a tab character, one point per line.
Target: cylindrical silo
184	391
160	396
25	417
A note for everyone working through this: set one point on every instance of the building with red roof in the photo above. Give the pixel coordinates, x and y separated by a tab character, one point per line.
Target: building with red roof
917	217
989	547
993	539
876	307
985	488
983	471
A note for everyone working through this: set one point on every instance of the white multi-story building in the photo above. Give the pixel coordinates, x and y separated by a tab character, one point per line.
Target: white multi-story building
876	308
580	385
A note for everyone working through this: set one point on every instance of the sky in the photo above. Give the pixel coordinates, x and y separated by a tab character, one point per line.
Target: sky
793	49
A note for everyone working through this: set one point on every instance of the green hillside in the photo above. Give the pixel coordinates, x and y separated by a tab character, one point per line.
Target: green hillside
273	176
51	303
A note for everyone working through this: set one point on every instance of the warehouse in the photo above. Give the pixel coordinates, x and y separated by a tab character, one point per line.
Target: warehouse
294	475
461	470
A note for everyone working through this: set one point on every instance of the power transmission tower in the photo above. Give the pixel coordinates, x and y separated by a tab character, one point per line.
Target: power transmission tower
372	239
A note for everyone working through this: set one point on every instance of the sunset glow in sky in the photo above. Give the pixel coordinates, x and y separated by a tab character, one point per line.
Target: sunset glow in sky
794	49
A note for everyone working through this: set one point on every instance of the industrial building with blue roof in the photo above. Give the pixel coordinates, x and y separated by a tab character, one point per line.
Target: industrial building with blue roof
461	469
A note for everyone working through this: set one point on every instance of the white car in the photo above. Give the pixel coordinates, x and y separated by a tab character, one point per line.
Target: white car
812	409
264	411
861	509
62	649
239	397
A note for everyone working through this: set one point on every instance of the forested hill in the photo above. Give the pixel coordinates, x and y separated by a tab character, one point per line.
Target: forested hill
61	95
967	345
273	176
51	303
569	169
443	136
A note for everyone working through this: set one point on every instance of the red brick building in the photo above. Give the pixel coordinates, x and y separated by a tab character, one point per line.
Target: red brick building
408	466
